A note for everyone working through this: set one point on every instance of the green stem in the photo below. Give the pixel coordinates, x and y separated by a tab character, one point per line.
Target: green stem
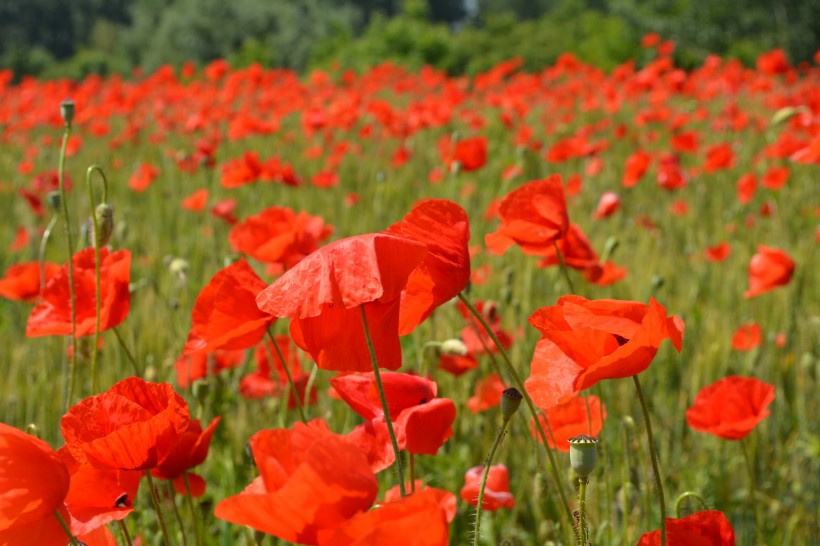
412	473
189	499
158	508
125	533
563	265
383	399
71	538
626	487
42	254
582	506
752	490
72	363
290	377
171	494
497	442
654	457
131	358
685	495
520	386
98	293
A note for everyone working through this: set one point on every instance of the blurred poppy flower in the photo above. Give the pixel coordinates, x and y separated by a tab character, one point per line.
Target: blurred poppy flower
586	341
496	492
33	485
469	153
278	235
416	520
225	314
747	337
189	451
197	201
144	176
224	210
457	364
487	394
200	365
21	282
51	316
718	252
443	227
446	499
775	178
576	251
707	528
636	166
134	425
773	62
97	496
719	157
533	216
571	418
608	204
731	407
300	492
746	188
322	294
263	382
21	240
604	274
768	269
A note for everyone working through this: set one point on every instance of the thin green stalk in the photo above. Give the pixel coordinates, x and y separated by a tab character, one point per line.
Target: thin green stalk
158	508
539	427
71	538
685	495
412	473
383	399
96	235
171	494
753	490
290	377
563	266
497	442
131	358
655	466
125	534
41	257
583	540
72	362
189	499
626	487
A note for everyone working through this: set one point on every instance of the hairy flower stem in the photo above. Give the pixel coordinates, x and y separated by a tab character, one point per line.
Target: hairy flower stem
533	411
97	266
563	266
189	499
497	442
383	399
654	457
71	538
752	490
290	377
583	539
72	359
158	508
125	533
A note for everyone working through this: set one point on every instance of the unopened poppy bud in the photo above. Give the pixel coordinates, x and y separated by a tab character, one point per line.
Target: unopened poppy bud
453	347
583	454
54	200
104	214
629	422
510	401
67	111
32	430
201	389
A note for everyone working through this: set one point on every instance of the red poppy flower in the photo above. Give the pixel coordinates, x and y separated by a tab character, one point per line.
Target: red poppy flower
533	216
444	228
401	390
22	281
52	315
608	204
225	314
604	274
21	240
747	337
322	294
224	210
768	269
719	157
569	419
424	428
636	166
719	252
195	366
416	520
97	496
707	528
33	484
189	451
278	235
197	201
132	426
469	153
746	188
731	407
585	341
263	382
446	499
496	492
476	339
773	62
142	179
576	251
457	364
487	394
300	491
775	178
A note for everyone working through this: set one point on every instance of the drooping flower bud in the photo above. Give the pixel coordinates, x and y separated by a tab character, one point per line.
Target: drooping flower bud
453	347
104	216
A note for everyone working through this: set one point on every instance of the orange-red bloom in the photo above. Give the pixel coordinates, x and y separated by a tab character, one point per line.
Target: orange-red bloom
132	426
731	407
768	269
22	281
225	314
571	418
496	492
608	204
487	394
747	337
585	341
707	528
52	315
189	451
33	484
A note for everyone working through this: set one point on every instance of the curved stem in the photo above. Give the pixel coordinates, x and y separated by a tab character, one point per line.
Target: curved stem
98	284
497	442
72	305
563	265
383	399
71	538
582	505
158	508
655	466
519	384
685	495
290	377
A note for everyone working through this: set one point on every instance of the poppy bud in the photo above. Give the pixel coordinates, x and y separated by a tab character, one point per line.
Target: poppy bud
583	454
201	389
510	401
32	430
67	111
453	347
104	215
54	200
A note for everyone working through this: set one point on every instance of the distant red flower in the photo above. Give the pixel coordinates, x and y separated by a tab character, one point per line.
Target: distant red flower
731	407
747	337
21	240
197	201
469	153
586	341
224	210
719	157
718	252
201	365
144	176
775	178
325	179
576	251
225	314
323	292
189	451
604	274
300	493
496	493
608	204
636	166
746	188
278	235
33	485
686	142
707	528
51	316
533	216
134	425
487	394
268	379
476	339
22	281
457	364
773	62
768	269
670	173
569	419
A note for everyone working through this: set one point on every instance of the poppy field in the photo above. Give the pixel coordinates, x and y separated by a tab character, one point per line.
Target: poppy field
350	308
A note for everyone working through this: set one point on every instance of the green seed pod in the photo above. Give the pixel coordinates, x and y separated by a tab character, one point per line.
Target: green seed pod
583	454
510	401
67	111
104	215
